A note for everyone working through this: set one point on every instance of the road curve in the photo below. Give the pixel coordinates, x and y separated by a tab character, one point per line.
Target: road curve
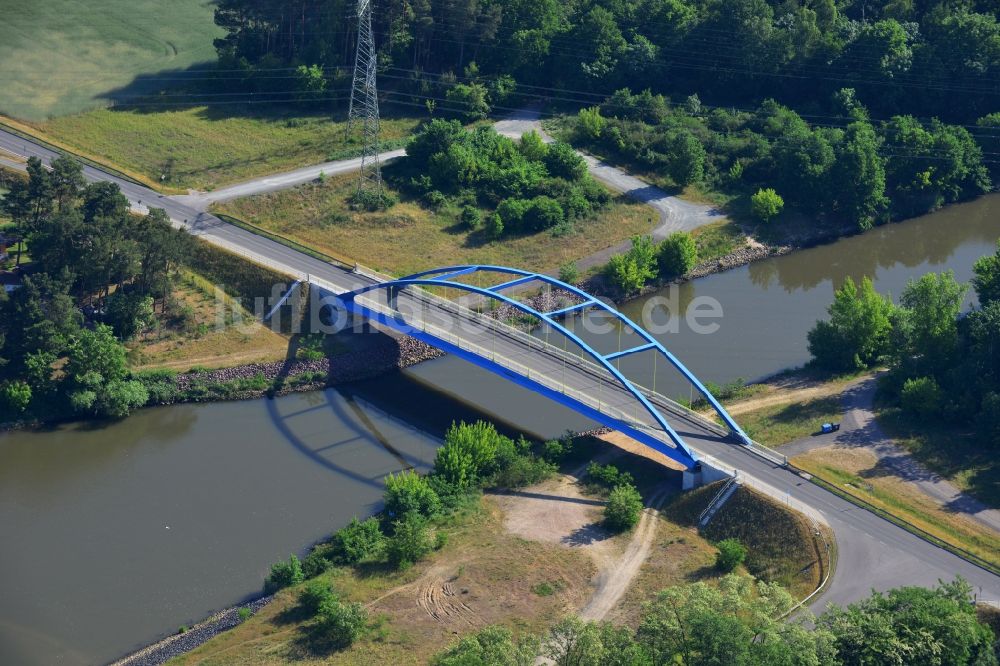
873	553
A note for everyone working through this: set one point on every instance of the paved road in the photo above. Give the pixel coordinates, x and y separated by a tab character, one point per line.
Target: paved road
873	552
860	429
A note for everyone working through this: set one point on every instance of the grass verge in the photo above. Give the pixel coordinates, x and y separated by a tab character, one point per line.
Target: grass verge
855	475
411	237
204	147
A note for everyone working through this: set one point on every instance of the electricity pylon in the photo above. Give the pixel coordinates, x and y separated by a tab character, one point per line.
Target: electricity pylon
364	102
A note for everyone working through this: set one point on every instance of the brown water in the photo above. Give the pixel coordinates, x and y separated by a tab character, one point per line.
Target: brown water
114	535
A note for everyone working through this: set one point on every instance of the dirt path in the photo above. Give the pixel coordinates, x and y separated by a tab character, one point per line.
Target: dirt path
557	512
614	579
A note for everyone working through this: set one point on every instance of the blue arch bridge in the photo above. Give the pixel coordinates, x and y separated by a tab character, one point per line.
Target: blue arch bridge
468	310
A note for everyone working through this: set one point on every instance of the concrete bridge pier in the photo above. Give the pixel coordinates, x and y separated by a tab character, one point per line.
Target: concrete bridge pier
703	474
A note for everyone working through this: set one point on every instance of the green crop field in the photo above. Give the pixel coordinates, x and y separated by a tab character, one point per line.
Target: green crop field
65	56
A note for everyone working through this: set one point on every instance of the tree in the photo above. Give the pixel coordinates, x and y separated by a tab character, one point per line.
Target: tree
921	397
987	278
314	595
97	352
858	175
857	332
472	101
735	623
573	642
928	327
912	625
15	396
623	508
130	313
677	254
687	158
469	453
117	398
490	646
409	542
730	555
409	491
766	204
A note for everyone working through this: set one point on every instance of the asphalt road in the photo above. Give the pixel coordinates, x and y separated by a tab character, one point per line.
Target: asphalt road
873	553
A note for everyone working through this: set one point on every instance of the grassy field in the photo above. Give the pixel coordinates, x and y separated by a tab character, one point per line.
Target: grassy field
718	239
65	56
410	237
782	423
857	472
203	148
200	343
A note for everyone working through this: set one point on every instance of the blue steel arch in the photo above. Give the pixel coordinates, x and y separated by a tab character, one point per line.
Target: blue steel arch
444	277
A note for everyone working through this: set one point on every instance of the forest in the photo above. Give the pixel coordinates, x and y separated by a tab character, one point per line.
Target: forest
902	57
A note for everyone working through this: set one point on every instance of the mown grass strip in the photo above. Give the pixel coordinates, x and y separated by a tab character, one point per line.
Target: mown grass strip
341	261
972	558
26	132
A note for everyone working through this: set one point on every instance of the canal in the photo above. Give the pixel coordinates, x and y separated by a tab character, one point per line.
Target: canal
115	534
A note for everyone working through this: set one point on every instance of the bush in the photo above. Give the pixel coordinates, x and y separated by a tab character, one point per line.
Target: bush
490	646
15	396
590	123
524	470
314	595
494	225
319	559
731	554
472	100
920	397
608	476
623	508
409	542
569	273
469	453
118	398
338	624
564	162
408	492
542	213
472	217
371	200
358	541
766	204
532	146
677	254
511	213
284	574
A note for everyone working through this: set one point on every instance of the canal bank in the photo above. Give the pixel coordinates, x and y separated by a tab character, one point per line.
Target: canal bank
91	570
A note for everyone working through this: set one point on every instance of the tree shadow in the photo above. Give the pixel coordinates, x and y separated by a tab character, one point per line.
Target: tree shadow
587	535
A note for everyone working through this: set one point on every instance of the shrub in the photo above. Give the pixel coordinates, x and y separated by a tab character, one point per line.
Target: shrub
284	574
532	146
469	453
569	273
590	123
472	100
564	162
15	396
358	541
408	491
766	204
625	274
511	212
491	646
372	201
319	559
608	476
623	508
409	542
542	213
314	595
920	396
244	613
472	217
494	225
677	254
435	199
556	450
525	470
118	398
731	554
338	624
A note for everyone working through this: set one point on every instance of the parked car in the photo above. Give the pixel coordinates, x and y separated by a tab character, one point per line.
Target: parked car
829	427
